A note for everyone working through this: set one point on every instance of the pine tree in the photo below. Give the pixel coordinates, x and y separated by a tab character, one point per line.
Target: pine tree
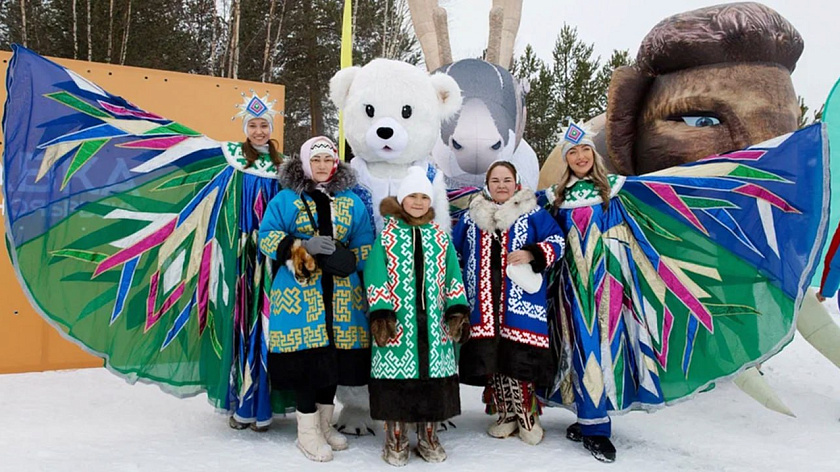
302	40
602	81
572	86
803	113
541	124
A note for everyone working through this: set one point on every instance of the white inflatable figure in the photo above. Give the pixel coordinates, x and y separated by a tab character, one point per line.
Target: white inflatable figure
491	121
488	127
393	113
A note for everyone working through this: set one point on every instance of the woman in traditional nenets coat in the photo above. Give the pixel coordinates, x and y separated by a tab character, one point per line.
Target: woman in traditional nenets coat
506	242
318	331
414	373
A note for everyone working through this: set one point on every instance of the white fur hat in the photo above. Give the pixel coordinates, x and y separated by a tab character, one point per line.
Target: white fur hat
415	182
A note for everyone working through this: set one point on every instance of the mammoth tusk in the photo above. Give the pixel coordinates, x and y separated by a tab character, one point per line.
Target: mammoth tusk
494	42
510	27
753	384
815	324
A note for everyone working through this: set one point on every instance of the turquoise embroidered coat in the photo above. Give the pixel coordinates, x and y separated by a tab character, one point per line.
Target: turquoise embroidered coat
297	319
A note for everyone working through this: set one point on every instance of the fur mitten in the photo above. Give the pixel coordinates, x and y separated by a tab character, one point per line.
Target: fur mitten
383	330
300	262
459	327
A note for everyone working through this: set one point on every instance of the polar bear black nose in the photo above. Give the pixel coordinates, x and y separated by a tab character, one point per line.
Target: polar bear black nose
384	132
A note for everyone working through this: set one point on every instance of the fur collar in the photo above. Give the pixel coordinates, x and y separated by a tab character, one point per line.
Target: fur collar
391	207
490	216
291	176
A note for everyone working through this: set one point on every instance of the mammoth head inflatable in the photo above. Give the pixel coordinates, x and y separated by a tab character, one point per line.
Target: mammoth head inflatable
704	82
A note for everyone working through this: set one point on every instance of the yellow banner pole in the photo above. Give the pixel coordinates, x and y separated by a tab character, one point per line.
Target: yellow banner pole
346	61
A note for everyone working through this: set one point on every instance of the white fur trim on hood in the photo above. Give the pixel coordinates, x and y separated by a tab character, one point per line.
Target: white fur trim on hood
491	216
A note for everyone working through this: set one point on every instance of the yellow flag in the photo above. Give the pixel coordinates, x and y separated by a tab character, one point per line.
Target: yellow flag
346	61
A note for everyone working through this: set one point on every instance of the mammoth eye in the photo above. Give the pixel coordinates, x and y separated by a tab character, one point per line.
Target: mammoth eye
697	121
406	111
369	110
496	146
456	145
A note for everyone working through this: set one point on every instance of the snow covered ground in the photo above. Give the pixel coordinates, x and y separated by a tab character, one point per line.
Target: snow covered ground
90	420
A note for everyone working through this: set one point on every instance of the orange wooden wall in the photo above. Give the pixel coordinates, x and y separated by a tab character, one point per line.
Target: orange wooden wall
206	104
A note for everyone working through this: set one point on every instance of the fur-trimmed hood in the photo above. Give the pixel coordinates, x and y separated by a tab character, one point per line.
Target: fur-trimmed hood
291	176
490	216
391	207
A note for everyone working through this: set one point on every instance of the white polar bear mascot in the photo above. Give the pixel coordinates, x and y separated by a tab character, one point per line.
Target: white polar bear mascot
393	112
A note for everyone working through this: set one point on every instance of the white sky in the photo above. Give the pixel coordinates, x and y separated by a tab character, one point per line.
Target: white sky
621	24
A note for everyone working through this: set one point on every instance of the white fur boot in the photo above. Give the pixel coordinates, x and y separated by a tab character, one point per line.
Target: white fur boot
521	395
336	440
310	439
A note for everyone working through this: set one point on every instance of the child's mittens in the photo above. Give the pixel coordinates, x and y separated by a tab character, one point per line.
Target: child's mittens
459	327
383	329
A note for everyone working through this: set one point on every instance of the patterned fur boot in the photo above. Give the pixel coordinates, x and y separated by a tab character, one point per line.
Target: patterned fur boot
396	444
506	425
428	445
530	430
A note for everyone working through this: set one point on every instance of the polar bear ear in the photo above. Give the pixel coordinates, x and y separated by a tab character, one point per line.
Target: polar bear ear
340	85
449	95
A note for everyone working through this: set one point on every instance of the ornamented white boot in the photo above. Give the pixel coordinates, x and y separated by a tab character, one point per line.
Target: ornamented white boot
522	398
507	424
311	440
336	440
504	427
530	430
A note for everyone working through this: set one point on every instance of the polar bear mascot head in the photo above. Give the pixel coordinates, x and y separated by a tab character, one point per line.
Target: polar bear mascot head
393	113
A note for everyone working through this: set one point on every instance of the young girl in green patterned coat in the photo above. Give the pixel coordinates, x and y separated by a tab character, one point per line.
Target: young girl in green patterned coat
418	308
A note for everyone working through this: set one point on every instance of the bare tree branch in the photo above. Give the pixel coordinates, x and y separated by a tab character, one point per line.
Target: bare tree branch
385	29
75	32
125	34
90	46
23	22
235	61
110	30
277	37
268	40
